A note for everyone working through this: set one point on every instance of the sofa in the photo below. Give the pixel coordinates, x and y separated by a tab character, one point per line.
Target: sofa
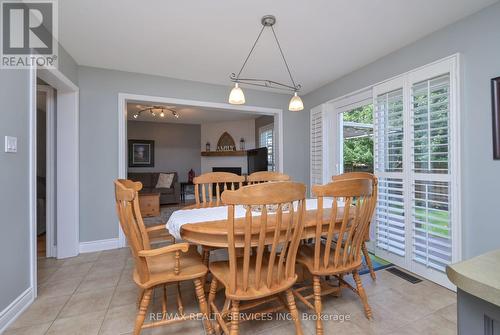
149	180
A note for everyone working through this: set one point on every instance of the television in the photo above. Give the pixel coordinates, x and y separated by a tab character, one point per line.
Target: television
257	160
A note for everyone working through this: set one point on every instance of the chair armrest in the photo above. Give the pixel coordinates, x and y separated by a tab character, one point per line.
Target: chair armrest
184	247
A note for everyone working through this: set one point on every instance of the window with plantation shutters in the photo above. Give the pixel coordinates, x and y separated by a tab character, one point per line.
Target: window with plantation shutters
316	146
431	215
416	144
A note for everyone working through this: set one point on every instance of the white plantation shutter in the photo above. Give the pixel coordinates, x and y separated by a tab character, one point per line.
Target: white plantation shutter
431	215
317	146
416	139
388	142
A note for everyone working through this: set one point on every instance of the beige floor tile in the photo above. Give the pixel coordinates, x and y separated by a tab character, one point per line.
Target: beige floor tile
431	295
39	329
43	262
92	301
85	324
89	284
430	325
43	310
101	272
82	258
449	312
43	274
119	320
124	295
398	306
53	288
71	271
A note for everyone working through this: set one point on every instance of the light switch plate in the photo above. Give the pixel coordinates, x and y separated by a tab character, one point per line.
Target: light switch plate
10	144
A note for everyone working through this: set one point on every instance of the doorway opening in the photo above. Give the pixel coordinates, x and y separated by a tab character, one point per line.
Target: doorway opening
175	139
45	170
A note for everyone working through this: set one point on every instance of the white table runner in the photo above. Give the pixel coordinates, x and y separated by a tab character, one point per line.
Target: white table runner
196	215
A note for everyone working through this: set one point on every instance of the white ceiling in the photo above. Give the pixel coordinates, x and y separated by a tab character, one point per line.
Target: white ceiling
207	40
187	114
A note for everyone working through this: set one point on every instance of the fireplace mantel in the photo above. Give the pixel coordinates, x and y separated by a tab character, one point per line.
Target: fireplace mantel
223	153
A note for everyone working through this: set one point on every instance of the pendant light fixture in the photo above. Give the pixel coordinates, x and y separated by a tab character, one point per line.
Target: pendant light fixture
236	97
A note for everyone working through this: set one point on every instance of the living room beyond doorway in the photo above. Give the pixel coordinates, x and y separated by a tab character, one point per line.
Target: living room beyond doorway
169	144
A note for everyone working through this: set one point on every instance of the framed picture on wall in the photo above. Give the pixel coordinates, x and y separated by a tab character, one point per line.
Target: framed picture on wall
141	153
495	105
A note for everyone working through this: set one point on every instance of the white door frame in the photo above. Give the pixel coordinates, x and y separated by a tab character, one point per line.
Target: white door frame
50	160
67	166
122	127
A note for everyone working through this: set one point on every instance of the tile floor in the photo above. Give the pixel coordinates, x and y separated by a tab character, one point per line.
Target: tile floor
94	294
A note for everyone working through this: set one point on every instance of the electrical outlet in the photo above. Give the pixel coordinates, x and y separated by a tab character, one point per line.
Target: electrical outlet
10	144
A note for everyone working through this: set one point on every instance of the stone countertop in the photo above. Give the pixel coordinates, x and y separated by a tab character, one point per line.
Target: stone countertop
479	276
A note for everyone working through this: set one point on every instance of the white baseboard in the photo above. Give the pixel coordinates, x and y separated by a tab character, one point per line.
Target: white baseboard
16	308
99	245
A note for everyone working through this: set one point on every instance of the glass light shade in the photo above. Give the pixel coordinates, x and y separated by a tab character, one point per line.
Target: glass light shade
296	104
162	114
236	97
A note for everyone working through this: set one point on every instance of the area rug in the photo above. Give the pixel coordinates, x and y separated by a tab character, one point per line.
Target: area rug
165	213
378	264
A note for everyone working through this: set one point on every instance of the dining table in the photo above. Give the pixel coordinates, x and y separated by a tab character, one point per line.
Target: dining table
207	226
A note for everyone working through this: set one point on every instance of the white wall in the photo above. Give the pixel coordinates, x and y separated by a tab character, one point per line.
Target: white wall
211	132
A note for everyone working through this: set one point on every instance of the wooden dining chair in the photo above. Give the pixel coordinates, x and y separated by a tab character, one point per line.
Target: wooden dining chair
374	180
211	184
158	267
266	176
324	259
269	273
156	233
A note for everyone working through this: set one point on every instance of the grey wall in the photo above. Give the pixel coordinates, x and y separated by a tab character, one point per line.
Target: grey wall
261	121
67	65
99	90
14	179
14	197
177	146
477	39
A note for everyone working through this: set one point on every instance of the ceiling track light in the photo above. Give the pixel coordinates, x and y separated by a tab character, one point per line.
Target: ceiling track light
156	110
237	97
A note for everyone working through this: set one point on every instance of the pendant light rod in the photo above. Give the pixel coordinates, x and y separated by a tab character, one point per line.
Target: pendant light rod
266	21
283	56
263	83
250	53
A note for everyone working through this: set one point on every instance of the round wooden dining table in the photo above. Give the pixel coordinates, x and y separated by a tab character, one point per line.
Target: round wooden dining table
214	233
